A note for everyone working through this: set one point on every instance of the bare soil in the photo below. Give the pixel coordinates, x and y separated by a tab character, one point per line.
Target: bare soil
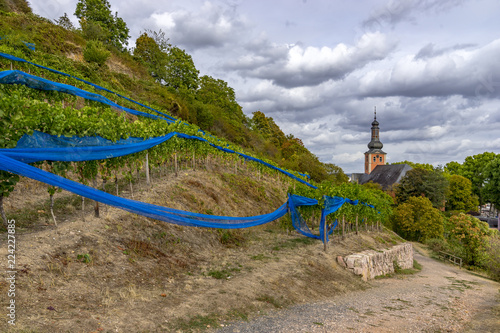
440	298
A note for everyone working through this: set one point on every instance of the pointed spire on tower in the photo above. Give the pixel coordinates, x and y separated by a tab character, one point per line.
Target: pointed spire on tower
375	112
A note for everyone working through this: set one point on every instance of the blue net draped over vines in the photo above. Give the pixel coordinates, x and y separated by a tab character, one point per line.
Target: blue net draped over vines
41	146
298	222
45	147
35	82
14	58
149	210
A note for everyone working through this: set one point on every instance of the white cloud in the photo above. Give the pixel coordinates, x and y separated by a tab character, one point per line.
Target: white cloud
164	20
348	157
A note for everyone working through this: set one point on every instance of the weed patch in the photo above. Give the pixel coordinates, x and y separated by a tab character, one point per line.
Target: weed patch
197	322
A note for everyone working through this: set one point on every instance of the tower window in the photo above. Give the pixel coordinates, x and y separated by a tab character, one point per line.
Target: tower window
380	159
374	159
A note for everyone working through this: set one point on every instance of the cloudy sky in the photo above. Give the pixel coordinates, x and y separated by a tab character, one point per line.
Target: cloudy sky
319	67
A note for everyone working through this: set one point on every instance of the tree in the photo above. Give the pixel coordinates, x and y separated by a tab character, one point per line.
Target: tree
270	131
414	165
460	196
65	22
473	168
453	168
181	73
422	182
217	92
491	174
418	220
336	173
152	48
95	15
469	235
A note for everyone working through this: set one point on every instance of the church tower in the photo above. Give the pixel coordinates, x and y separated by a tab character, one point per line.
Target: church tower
374	156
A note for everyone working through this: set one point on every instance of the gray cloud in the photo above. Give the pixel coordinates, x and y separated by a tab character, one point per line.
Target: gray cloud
211	25
429	50
396	11
297	65
471	73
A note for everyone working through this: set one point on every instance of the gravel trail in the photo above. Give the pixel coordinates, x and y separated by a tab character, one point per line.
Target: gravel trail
440	298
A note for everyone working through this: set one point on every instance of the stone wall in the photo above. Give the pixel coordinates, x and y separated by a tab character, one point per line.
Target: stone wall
370	264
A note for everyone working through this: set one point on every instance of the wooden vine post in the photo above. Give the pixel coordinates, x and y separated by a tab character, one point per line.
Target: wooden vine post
148	180
96	206
176	167
357	231
325	236
343	227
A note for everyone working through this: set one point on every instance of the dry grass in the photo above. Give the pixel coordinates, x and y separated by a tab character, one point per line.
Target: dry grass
124	273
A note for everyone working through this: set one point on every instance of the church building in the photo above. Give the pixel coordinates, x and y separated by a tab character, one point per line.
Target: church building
376	169
375	155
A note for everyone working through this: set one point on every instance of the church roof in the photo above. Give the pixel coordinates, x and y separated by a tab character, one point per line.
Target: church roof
386	175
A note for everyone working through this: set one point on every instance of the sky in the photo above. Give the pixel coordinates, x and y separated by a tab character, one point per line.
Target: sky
319	68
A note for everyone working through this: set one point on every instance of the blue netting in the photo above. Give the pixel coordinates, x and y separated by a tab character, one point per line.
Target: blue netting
44	140
298	222
14	58
153	211
35	82
76	149
40	146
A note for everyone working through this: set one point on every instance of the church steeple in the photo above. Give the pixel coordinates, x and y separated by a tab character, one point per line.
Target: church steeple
374	156
375	142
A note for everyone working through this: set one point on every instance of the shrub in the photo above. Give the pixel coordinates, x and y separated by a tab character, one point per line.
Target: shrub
95	52
437	244
492	262
470	237
418	220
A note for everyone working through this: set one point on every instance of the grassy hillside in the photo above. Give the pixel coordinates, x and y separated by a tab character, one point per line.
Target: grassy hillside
123	272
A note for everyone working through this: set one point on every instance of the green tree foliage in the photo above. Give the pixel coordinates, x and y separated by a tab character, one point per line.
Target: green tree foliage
98	22
152	48
227	117
65	22
417	220
336	174
96	52
270	131
181	73
473	169
460	195
468	236
491	174
414	165
453	168
294	155
422	182
492	262
218	93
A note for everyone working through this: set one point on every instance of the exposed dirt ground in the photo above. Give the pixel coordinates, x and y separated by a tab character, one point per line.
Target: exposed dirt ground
126	273
440	298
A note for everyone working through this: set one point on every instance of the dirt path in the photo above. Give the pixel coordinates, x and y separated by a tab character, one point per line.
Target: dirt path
441	298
